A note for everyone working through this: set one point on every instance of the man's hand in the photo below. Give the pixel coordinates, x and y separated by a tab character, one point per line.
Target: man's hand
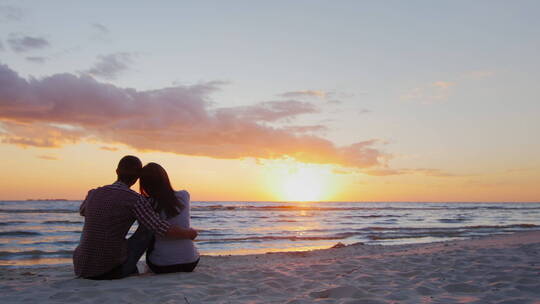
176	232
192	233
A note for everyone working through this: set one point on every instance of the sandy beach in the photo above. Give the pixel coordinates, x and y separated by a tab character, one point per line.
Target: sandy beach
499	269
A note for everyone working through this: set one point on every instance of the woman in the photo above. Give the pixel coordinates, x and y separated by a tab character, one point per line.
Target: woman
168	255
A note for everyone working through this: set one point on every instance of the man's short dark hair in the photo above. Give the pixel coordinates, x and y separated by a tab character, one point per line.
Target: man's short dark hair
129	168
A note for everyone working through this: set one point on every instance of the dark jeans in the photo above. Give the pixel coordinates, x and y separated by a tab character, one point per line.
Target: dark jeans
187	267
137	245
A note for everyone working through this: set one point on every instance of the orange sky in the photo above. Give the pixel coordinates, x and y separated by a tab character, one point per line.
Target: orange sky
71	171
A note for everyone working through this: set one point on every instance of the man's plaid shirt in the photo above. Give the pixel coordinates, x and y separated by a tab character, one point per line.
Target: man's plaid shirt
109	212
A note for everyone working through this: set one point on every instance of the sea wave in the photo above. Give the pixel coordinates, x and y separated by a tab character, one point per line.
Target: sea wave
39	210
444	232
19	233
454	220
12	223
380	228
34	253
62	222
371	216
339	236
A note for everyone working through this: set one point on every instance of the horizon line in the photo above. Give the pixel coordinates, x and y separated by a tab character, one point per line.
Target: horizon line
308	202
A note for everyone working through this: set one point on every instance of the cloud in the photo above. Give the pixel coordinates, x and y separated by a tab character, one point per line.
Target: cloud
36	59
519	170
66	108
100	33
305	93
431	172
443	84
37	135
305	129
102	29
413	94
47	157
488	184
21	44
10	13
434	92
350	95
383	172
270	110
107	148
331	97
420	171
342	171
110	66
479	74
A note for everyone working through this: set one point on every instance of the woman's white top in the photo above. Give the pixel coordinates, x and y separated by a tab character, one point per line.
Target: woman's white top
169	251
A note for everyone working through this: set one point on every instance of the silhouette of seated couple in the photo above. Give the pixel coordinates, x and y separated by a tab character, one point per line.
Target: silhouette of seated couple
163	232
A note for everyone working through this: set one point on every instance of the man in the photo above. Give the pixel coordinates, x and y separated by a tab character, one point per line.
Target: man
109	211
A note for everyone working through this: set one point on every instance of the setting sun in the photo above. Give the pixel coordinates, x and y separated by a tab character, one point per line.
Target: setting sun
300	182
303	185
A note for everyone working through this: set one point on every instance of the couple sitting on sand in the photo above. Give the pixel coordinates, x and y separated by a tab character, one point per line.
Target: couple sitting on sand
164	230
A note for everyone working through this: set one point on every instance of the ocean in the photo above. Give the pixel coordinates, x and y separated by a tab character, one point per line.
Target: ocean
36	233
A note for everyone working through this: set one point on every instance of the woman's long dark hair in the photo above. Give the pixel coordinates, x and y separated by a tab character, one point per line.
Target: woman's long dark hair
154	183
